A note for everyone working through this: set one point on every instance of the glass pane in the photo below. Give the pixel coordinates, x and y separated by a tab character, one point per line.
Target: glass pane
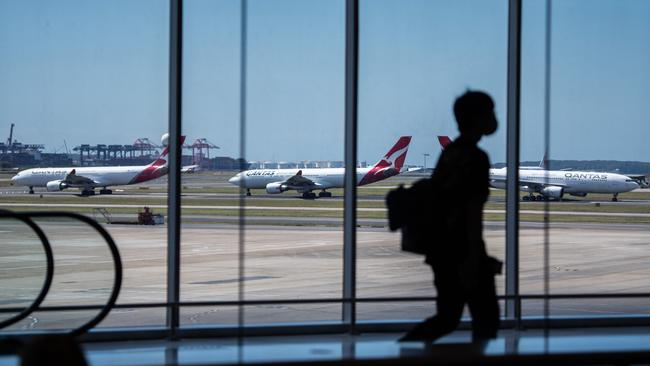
598	130
82	84
295	84
416	58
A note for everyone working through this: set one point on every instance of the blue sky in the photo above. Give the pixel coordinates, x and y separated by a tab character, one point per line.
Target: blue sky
97	72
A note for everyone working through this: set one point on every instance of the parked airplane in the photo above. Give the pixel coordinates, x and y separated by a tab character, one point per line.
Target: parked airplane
189	169
87	178
555	183
306	180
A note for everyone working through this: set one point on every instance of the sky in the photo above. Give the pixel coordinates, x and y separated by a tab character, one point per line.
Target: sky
78	71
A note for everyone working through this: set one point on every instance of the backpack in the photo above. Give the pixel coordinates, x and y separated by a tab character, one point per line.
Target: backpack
417	212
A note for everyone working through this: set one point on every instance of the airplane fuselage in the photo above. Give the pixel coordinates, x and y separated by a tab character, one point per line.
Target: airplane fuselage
106	176
573	182
326	177
306	180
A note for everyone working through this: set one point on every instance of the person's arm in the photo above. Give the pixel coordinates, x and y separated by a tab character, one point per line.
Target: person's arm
474	233
470	266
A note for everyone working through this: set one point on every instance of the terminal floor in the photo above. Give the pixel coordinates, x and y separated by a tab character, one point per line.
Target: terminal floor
602	346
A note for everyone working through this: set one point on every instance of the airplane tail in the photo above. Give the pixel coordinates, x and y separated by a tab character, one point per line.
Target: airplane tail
543	164
444	141
157	168
391	164
397	154
161	161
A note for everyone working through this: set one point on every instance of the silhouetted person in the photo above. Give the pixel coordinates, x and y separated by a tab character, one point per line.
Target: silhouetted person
463	272
52	350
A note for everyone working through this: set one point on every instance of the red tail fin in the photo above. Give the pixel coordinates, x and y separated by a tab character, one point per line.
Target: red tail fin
444	141
397	154
162	159
390	165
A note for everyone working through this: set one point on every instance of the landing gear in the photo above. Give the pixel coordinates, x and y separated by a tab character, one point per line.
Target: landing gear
309	195
615	197
531	197
88	192
248	192
31	190
324	194
105	191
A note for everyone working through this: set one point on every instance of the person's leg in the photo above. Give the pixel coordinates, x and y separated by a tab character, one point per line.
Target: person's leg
449	304
484	308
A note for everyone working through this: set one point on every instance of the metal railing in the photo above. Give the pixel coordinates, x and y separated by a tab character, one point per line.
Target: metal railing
27	217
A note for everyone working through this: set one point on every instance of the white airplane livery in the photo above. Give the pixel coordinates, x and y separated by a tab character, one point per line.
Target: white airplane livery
88	178
305	180
555	183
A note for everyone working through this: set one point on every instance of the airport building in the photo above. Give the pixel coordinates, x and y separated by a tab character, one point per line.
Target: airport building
186	269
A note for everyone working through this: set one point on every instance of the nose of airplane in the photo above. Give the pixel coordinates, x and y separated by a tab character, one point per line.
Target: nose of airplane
234	180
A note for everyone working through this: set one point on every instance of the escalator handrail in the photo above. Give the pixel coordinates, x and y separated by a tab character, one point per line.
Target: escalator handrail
117	261
49	272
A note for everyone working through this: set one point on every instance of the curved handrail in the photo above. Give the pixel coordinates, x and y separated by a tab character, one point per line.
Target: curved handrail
49	273
117	260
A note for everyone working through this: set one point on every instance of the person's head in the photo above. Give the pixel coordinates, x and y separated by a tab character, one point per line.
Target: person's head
474	113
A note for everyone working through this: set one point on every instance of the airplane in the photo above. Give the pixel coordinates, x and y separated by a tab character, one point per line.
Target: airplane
88	178
189	169
304	181
553	184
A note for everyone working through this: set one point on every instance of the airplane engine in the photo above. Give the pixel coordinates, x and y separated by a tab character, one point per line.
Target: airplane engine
56	185
497	184
274	188
553	192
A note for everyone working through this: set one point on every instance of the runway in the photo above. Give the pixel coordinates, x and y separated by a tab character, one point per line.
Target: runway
308	209
364	195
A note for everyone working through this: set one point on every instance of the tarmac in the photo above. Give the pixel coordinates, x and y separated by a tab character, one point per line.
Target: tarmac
298	258
304	263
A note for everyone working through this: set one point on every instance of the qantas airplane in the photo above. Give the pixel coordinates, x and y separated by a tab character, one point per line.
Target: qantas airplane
553	184
87	178
190	169
306	180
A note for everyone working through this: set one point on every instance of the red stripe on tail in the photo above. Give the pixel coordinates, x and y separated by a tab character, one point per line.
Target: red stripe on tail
390	165
444	141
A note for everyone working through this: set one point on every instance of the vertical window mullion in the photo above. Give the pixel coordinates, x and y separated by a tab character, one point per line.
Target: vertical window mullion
350	189
174	181
513	302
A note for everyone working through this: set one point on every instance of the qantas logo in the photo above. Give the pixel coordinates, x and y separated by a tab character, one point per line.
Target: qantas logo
256	173
391	164
590	176
156	169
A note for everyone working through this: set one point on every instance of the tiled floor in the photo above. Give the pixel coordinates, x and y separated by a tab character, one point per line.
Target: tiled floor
367	347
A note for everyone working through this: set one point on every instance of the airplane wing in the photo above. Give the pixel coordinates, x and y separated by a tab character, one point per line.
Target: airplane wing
190	169
300	182
641	179
532	184
74	180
